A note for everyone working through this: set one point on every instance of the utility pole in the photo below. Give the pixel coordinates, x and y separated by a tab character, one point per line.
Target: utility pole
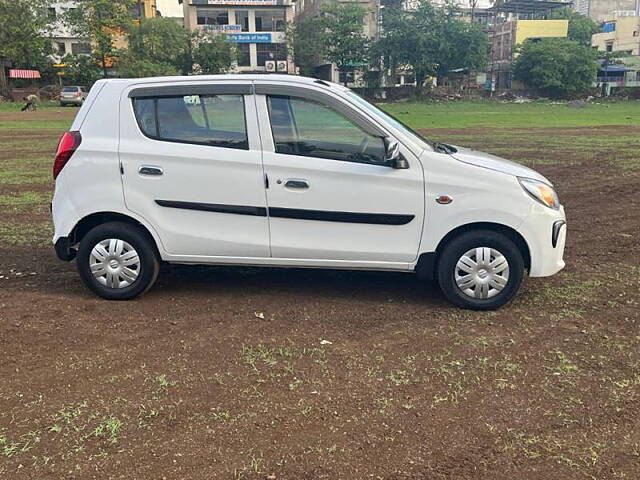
494	37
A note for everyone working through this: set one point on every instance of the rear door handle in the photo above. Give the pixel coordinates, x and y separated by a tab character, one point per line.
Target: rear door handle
297	183
150	170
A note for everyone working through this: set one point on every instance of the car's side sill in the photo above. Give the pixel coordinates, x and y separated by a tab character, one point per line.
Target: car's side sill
291	263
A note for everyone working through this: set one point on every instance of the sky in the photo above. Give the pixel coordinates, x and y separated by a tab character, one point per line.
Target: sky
169	8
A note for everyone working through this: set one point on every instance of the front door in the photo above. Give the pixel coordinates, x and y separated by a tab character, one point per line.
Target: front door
192	168
331	195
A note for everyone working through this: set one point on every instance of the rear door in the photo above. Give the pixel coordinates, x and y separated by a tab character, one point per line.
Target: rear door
191	166
331	195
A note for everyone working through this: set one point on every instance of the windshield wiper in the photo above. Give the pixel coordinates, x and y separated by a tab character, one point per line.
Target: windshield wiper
443	148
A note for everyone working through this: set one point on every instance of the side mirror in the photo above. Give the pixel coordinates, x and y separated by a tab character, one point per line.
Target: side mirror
393	156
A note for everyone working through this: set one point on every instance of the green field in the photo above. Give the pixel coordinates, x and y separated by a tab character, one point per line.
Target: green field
493	114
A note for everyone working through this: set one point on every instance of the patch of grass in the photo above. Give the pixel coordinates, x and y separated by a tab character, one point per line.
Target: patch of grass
561	364
496	114
25	201
108	429
572	291
26	233
18	171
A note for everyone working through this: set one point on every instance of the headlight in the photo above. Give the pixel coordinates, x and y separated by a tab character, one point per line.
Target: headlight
541	192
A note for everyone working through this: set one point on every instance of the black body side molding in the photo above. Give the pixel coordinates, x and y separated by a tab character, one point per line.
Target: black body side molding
294	213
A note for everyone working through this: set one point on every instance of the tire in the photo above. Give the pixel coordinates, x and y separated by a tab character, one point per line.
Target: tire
472	286
127	257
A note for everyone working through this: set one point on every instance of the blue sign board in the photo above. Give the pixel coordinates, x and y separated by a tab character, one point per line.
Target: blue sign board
249	37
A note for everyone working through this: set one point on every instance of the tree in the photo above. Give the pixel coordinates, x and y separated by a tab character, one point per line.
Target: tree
101	22
22	36
130	66
80	70
212	53
343	35
157	47
160	40
305	39
23	26
432	40
581	27
557	66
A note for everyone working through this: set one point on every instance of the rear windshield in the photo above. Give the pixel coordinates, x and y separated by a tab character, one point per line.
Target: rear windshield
70	89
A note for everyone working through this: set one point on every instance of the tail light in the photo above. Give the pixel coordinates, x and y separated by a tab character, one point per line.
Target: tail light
69	142
79	94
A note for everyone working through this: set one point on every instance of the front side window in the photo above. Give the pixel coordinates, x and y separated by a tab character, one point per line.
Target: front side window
311	129
215	120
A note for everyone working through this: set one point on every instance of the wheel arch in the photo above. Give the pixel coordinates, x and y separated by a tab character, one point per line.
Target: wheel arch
98	218
427	262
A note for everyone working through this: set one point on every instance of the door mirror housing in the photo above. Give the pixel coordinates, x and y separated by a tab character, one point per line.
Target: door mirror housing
393	157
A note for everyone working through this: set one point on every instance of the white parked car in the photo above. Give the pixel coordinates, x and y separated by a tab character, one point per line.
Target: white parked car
287	171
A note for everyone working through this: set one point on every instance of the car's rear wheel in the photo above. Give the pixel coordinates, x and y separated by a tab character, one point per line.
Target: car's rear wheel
117	261
480	270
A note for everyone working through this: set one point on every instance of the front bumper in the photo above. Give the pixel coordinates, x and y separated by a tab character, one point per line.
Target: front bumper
545	231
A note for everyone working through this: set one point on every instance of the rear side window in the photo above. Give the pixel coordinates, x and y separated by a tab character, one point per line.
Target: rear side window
215	120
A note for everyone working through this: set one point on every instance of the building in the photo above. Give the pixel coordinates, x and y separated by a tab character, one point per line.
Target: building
619	34
623	75
599	10
505	37
63	41
171	9
256	26
371	28
144	9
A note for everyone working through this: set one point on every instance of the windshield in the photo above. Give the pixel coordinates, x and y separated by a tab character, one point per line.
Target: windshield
70	89
388	118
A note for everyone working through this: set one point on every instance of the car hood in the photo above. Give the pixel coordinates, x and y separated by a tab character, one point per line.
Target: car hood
492	162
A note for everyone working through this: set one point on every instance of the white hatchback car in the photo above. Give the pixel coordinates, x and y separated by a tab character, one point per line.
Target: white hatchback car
287	171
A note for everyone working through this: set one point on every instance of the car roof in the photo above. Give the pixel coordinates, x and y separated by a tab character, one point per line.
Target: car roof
295	79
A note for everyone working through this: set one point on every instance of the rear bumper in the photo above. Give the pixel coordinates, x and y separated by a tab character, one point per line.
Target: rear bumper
64	250
70	101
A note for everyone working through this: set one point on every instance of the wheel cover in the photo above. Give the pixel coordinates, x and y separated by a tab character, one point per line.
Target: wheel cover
114	263
482	273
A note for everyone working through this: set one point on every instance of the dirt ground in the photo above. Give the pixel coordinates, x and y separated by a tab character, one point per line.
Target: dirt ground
294	374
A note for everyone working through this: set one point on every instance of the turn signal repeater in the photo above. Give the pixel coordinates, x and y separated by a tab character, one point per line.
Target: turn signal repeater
444	199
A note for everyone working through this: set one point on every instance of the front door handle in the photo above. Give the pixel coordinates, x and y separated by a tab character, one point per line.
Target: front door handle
297	183
150	170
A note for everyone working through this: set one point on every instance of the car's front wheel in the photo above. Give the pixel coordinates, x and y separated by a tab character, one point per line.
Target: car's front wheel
480	270
117	261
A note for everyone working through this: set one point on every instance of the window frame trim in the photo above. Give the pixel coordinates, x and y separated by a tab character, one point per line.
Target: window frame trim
347	110
184	90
